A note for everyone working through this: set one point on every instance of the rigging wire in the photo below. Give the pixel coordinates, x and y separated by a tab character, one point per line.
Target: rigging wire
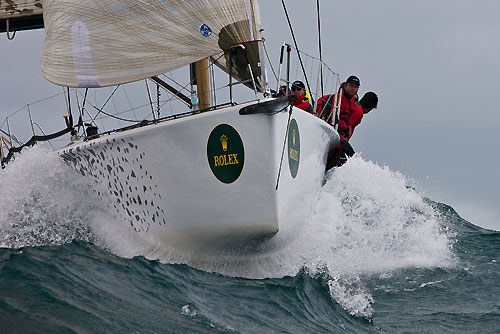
150	100
295	43
92	120
158	99
315	58
116	111
177	83
129	103
83	105
69	103
112	116
100	110
319	46
122	112
31	103
109	98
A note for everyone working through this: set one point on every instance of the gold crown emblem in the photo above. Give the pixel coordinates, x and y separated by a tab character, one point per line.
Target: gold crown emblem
223	140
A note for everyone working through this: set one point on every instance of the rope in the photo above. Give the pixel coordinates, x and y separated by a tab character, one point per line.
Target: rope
269	60
295	43
13	137
6	141
8	32
33	141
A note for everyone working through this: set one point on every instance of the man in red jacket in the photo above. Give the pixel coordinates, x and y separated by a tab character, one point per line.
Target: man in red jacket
347	106
303	101
338	156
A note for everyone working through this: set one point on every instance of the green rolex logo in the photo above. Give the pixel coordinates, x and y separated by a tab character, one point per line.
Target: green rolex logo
225	153
293	148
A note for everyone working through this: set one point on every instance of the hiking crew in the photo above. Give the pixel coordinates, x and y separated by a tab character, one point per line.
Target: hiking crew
348	91
349	115
347	107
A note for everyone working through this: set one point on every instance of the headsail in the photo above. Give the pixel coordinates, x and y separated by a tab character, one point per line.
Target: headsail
97	43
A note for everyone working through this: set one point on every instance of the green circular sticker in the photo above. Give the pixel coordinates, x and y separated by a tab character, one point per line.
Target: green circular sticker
293	147
225	153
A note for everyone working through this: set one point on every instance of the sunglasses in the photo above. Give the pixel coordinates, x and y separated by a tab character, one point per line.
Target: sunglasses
296	89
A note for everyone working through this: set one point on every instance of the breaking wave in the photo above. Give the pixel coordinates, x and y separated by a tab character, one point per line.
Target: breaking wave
368	222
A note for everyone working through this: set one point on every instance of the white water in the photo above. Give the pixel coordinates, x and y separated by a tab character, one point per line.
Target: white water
367	222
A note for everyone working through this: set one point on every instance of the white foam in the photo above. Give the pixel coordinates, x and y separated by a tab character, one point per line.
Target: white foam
40	204
45	202
367	222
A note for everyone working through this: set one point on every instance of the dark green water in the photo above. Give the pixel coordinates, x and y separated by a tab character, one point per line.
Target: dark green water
374	259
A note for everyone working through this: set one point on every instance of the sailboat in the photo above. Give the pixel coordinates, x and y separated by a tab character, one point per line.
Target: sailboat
217	177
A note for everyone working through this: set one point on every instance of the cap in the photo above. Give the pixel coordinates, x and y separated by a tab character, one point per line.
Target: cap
353	79
299	84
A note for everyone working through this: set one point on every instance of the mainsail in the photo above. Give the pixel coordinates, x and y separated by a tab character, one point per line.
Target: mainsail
96	43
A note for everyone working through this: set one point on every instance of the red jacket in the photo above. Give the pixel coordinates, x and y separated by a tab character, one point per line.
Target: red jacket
355	119
303	102
347	107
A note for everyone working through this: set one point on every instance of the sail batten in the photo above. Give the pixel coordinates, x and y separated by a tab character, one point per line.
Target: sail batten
96	43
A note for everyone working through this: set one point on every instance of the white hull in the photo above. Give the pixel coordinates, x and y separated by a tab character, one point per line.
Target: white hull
160	180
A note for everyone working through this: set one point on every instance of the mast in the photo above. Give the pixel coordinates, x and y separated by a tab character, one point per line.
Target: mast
200	85
202	80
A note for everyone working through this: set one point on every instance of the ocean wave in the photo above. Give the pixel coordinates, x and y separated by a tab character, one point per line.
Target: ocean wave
367	222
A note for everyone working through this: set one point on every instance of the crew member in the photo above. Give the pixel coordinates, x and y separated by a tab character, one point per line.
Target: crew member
347	106
304	100
326	104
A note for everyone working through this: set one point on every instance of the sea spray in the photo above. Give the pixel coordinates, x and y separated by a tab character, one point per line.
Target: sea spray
45	202
367	222
42	202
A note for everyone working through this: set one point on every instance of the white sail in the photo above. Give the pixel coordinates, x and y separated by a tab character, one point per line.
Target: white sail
96	43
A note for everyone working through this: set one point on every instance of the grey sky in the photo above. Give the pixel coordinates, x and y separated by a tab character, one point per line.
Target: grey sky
434	65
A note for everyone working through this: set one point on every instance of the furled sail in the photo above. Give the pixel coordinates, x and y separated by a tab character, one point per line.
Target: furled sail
96	43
